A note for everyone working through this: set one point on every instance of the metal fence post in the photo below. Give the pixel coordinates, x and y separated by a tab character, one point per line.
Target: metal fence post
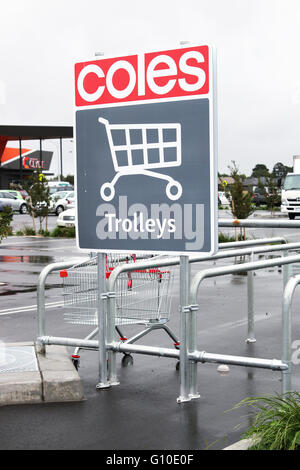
112	355
193	365
287	332
103	382
285	270
185	315
250	292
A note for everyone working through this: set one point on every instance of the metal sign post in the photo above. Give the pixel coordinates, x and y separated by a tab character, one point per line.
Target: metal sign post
146	171
188	339
103	381
184	327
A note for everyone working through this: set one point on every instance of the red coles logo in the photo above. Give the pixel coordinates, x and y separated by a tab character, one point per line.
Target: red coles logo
167	74
32	163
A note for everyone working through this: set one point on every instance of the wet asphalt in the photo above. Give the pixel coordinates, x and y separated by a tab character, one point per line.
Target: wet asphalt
142	413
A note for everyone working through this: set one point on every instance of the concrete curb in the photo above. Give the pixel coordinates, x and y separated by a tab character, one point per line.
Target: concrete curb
276	215
61	381
243	444
56	380
16	387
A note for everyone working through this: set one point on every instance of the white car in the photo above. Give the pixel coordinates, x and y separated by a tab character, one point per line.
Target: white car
62	200
66	218
223	199
16	203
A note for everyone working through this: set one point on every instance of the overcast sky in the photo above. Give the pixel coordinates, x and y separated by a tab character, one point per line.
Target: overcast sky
257	45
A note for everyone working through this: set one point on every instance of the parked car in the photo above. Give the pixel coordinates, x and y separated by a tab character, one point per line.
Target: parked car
62	200
259	197
19	193
66	218
55	189
223	198
17	204
2	204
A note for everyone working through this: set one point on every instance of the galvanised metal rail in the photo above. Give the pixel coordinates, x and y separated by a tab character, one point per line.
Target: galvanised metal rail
265	223
287	331
189	356
188	360
65	265
187	387
254	242
41	294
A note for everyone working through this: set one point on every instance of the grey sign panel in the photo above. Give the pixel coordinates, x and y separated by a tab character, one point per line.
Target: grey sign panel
144	177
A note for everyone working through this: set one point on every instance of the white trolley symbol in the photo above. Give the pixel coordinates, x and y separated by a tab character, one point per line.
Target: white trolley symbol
139	148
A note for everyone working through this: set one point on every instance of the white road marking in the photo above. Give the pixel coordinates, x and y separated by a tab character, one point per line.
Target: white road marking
21	242
28	308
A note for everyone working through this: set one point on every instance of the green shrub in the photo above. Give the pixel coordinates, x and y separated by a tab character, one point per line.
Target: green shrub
28	230
68	232
276	425
19	233
225	238
5	221
45	233
241	200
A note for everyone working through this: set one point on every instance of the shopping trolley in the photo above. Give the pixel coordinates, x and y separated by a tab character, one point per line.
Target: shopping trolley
134	151
142	298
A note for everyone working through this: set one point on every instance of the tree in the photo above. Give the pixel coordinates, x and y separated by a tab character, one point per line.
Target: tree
241	200
280	171
272	198
5	221
69	179
261	187
260	170
38	199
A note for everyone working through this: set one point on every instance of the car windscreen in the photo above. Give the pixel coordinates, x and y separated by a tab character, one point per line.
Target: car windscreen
292	182
59	194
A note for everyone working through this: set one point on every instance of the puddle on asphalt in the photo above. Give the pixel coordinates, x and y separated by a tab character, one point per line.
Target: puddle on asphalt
9	289
27	259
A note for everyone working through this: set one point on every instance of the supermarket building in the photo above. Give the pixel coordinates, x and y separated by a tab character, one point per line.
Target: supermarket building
17	163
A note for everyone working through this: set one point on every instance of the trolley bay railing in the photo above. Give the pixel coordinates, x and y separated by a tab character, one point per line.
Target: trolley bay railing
188	354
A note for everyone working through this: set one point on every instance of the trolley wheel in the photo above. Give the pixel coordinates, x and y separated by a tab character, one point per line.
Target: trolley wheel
76	362
107	191
178	188
127	360
178	365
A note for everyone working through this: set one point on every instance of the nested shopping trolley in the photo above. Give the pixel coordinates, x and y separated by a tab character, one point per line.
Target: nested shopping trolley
139	148
143	297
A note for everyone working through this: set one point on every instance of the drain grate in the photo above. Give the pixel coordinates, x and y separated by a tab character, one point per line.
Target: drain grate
17	359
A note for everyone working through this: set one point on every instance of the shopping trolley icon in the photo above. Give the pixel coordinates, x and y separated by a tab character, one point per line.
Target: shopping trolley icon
136	149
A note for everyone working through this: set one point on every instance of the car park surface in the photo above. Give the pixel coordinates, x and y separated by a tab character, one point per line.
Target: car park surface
142	411
148	389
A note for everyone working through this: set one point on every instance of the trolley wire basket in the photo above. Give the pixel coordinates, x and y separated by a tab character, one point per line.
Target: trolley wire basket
142	296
